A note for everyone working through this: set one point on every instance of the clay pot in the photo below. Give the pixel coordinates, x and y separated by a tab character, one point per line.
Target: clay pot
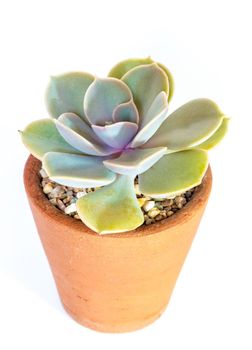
118	282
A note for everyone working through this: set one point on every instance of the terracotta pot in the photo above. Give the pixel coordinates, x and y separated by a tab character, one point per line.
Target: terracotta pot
119	282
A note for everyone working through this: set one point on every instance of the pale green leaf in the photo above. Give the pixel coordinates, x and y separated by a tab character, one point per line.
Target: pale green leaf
81	137
145	83
174	173
216	137
188	126
113	208
150	123
65	93
116	135
77	170
126	112
135	161
102	96
121	68
42	136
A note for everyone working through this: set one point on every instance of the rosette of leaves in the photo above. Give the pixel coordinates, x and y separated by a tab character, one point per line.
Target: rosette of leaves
103	132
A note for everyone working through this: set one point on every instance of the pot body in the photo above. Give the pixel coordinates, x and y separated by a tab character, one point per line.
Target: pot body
119	282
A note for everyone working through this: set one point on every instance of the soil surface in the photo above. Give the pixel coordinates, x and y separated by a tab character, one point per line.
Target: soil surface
154	209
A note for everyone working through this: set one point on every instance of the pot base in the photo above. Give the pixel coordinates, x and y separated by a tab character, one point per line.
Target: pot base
115	328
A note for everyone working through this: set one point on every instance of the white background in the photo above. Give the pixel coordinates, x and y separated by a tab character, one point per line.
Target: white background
207	46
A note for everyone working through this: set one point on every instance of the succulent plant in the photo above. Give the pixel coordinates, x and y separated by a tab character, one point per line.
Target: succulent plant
106	131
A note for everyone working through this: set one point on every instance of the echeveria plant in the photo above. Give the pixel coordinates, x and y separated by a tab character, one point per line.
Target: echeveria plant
106	131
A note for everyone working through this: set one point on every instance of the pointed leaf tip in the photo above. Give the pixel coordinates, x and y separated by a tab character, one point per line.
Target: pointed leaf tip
216	138
42	136
65	93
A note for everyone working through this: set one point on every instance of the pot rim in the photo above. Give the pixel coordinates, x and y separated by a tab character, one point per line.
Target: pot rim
39	199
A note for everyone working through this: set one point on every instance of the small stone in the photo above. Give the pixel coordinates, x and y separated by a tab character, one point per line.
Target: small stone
163	213
159	217
160	207
45	181
42	173
148	205
69	193
141	201
73	200
80	194
180	201
167	203
70	209
61	205
53	201
48	188
153	212
57	191
76	216
148	221
170	213
167	208
67	199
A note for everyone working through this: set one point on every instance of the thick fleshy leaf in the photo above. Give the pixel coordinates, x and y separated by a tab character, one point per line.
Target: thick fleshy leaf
170	79
216	137
123	67
150	123
174	173
146	82
65	93
77	170
188	126
74	122
126	112
157	106
135	161
82	140
116	135
101	98
113	208
42	136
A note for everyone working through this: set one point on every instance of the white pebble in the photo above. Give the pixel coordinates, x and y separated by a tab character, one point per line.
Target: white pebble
70	209
153	212
148	205
48	188
80	194
43	173
57	191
